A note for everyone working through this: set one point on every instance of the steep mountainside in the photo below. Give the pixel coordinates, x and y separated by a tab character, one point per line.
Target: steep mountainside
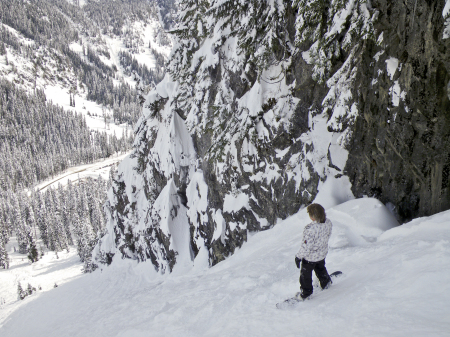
98	52
265	104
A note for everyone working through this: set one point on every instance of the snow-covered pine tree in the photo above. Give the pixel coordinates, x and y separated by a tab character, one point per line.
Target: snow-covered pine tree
86	240
260	45
41	218
110	177
59	232
30	228
190	29
33	254
77	223
331	28
65	213
19	225
30	216
4	217
30	289
91	202
83	205
97	219
21	294
50	219
4	258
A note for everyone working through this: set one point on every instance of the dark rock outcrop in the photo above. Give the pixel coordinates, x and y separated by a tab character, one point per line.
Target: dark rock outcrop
400	151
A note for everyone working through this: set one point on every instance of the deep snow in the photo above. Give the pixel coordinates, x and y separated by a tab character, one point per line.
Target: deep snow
395	283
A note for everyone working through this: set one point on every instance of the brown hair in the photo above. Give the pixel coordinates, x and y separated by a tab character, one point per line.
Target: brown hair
317	212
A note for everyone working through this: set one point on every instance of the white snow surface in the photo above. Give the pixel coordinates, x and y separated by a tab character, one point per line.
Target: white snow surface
395	283
50	269
446	10
392	65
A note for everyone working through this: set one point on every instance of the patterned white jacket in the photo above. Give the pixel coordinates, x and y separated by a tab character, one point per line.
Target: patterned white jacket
314	245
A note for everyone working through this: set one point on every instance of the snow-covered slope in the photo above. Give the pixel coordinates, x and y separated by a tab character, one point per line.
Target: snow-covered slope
395	283
31	61
53	268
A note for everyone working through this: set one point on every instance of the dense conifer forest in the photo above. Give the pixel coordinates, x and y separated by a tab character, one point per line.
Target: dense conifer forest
60	218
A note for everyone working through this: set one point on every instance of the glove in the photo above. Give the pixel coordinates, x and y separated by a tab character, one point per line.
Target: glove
297	262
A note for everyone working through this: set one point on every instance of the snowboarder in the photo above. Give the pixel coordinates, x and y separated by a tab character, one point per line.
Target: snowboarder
313	250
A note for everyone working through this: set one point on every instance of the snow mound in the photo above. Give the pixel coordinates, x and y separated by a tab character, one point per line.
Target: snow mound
359	222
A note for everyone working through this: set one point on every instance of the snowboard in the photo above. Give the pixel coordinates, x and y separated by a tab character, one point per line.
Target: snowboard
294	300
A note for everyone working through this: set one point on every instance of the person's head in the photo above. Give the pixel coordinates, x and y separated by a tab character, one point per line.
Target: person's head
316	212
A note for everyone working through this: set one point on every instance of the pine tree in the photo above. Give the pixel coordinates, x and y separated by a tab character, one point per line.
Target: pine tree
21	294
27	230
59	234
41	219
19	226
190	30
30	289
49	222
316	24
4	258
4	219
65	213
33	254
85	238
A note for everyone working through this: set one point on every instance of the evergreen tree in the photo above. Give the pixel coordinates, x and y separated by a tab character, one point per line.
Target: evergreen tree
30	289
191	28
41	219
65	213
4	258
21	294
316	23
19	226
59	237
85	238
33	254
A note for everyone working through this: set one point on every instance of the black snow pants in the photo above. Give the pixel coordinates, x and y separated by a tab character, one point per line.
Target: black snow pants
306	285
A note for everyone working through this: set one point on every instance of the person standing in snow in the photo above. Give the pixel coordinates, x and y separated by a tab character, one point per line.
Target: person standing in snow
313	250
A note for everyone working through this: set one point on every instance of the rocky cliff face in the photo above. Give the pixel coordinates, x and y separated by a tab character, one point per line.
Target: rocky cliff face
400	150
266	106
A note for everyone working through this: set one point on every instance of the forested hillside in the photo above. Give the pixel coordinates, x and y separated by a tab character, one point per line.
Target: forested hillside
101	54
61	219
46	38
39	139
